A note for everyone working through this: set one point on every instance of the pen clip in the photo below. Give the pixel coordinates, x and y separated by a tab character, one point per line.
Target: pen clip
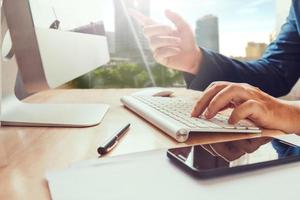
113	146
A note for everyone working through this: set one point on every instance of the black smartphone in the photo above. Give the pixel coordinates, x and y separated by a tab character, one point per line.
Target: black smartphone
211	160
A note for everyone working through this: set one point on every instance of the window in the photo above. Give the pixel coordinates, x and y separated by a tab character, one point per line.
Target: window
240	29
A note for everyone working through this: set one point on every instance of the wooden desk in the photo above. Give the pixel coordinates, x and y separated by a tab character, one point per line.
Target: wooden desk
34	151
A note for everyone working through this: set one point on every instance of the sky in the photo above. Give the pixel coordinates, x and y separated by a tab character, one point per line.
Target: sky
240	21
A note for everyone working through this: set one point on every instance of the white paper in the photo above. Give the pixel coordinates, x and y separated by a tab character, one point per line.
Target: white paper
152	176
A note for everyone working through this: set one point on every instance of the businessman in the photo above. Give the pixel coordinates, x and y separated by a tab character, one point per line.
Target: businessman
249	88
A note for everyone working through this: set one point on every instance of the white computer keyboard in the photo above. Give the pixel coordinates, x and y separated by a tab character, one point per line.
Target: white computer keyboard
173	115
180	110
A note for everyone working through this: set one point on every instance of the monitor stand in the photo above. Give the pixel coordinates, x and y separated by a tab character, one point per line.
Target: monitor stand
16	112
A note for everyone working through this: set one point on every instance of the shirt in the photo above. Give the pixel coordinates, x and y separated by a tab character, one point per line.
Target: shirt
275	73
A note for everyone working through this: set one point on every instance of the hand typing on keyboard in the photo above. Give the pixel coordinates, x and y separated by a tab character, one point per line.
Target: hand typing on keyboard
173	116
180	109
250	103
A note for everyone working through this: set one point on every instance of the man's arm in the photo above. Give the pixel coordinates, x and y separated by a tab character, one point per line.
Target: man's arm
275	73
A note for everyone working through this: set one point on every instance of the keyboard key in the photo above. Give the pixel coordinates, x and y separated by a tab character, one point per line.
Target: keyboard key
180	110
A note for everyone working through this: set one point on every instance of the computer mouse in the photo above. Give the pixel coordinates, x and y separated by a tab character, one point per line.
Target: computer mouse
155	92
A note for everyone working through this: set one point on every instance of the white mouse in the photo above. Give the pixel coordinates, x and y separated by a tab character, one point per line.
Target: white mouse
155	92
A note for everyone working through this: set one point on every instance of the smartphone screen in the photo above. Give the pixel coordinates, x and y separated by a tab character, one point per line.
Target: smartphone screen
226	157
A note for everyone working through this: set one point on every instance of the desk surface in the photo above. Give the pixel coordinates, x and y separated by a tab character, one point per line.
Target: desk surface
33	151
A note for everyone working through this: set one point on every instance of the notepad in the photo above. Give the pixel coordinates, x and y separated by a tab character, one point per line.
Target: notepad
151	176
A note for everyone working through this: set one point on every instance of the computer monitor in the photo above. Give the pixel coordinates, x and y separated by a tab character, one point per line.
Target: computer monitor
45	57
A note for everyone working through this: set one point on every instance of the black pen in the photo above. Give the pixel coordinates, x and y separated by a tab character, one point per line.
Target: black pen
112	142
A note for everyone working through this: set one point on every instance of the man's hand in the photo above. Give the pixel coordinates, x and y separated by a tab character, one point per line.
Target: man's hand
250	103
173	47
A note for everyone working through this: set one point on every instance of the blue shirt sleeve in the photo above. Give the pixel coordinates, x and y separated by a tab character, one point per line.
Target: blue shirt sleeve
275	73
